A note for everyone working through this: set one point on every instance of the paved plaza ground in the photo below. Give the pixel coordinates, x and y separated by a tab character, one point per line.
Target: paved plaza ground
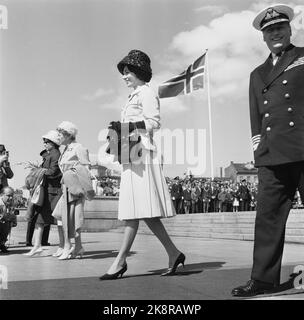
213	268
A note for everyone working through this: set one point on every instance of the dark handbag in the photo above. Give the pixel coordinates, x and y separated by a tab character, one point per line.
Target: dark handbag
124	141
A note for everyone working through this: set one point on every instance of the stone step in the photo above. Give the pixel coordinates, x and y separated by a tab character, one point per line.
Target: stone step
101	215
101	204
240	223
215	235
229	222
227	217
94	225
107	215
218	229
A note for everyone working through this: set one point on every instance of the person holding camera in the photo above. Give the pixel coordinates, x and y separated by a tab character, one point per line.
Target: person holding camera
5	169
7	216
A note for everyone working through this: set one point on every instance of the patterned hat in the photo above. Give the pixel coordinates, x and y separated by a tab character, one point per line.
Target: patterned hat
274	14
140	61
68	127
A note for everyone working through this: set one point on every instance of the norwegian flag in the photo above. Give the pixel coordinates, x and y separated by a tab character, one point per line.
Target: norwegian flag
185	83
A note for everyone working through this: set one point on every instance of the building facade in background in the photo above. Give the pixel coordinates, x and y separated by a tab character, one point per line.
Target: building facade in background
240	171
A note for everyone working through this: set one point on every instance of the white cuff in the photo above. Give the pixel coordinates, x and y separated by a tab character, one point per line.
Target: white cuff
255	141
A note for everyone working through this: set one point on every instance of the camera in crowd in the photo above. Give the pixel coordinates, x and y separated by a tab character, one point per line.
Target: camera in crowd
4	152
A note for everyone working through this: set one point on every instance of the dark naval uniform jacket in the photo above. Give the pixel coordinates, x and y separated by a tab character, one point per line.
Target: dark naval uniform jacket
276	98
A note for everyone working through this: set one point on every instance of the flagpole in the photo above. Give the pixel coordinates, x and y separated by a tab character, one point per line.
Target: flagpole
210	118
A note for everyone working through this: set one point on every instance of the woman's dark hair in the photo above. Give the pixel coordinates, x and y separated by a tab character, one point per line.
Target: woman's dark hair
140	74
56	146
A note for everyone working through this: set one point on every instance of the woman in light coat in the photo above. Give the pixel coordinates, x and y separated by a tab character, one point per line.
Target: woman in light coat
70	208
144	193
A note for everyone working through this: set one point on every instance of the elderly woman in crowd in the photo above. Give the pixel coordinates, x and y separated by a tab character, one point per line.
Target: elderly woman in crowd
52	189
74	162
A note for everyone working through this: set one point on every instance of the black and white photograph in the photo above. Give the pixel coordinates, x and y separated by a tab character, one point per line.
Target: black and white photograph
151	154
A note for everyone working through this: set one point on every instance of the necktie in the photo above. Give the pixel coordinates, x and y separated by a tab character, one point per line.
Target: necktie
276	57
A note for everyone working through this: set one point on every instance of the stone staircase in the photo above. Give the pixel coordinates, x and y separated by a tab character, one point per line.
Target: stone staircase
226	225
101	215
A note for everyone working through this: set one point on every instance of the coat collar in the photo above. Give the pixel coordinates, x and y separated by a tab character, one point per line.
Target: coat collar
269	72
137	91
44	153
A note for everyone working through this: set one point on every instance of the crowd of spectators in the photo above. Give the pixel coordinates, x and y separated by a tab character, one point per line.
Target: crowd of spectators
193	195
107	186
201	195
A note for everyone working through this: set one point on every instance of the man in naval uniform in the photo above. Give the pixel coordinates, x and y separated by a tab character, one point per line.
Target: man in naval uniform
276	98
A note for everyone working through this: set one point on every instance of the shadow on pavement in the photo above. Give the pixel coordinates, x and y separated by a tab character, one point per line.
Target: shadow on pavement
18	251
102	254
192	268
152	273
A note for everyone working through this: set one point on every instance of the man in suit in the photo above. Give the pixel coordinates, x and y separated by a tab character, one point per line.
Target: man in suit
206	196
187	198
214	191
276	99
176	195
7	216
244	196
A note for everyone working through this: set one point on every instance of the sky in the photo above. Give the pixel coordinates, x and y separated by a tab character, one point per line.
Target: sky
58	62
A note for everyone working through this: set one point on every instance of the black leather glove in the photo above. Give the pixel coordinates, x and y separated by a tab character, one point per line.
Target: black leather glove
128	127
115	125
137	125
140	125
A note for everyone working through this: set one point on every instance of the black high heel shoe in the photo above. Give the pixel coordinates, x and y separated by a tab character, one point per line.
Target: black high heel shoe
179	260
115	275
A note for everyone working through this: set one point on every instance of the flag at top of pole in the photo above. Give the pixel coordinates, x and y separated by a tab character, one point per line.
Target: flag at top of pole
185	83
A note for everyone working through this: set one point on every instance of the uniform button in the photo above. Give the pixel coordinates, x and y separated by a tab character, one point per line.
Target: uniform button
291	124
265	90
284	81
265	101
289	109
287	95
268	129
266	115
